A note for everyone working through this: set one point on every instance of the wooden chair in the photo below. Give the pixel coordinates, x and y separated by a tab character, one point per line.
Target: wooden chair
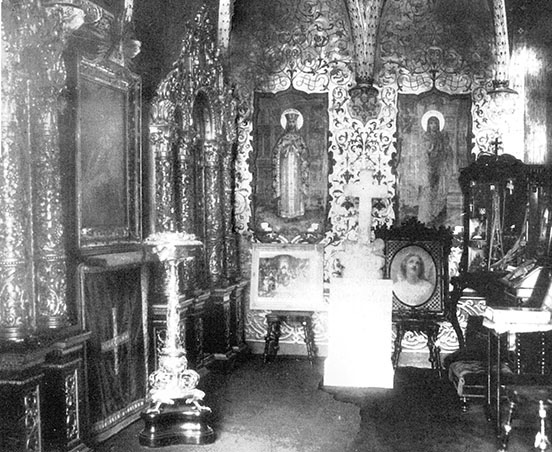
428	308
466	368
528	394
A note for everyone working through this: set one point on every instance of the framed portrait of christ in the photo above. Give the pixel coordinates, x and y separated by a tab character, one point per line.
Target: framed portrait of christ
415	273
416	260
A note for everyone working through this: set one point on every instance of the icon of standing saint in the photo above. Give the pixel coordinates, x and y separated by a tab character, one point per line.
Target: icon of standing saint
290	167
439	154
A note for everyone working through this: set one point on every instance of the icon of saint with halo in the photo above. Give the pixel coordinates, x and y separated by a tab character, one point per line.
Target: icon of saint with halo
290	167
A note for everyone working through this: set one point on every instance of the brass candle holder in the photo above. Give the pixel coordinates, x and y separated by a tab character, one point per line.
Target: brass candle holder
175	414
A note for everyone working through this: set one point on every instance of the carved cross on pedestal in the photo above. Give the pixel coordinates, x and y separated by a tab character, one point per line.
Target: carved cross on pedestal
115	341
365	189
496	145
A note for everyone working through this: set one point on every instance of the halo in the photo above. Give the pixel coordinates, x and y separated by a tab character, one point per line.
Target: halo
428	114
283	120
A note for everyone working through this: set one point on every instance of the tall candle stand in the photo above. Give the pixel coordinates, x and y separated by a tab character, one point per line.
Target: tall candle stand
175	414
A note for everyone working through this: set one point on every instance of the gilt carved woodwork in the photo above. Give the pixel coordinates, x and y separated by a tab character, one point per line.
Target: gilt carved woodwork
16	314
31	403
231	272
213	210
191	134
161	133
185	174
33	76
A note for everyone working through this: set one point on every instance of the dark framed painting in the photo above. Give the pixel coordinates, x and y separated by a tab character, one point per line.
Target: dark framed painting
108	157
287	277
290	162
433	144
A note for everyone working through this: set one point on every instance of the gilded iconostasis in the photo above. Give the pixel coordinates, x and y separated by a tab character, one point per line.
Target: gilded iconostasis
438	47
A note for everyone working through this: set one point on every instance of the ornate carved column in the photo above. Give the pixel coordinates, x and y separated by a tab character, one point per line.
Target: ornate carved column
185	176
213	213
228	108
231	271
47	79
186	194
33	264
16	299
161	134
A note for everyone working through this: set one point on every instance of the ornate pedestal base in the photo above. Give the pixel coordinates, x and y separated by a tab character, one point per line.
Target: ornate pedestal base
180	423
175	415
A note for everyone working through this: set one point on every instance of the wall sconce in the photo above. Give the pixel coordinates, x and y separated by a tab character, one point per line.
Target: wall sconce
364	88
72	13
503	98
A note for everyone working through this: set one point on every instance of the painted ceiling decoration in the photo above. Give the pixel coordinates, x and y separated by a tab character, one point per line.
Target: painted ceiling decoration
502	96
225	12
364	16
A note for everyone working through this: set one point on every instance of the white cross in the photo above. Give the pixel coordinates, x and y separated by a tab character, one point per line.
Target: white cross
365	189
115	341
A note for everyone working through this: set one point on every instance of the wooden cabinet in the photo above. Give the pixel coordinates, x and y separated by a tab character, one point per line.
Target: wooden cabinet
44	394
507	218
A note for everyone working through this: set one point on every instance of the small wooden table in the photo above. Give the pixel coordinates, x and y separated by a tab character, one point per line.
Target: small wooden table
273	332
497	331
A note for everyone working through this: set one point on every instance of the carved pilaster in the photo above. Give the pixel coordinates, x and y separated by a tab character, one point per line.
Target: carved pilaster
33	75
31	420
49	249
231	271
186	202
47	78
160	136
71	382
185	162
16	307
214	238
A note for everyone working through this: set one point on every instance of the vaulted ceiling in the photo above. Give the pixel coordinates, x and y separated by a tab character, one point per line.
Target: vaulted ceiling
160	26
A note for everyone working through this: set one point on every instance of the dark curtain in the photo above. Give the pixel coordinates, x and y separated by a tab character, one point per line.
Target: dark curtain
103	292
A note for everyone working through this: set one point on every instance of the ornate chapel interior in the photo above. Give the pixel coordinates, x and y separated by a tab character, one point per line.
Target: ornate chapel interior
289	150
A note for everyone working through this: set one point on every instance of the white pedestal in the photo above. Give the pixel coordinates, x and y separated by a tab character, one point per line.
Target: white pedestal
360	335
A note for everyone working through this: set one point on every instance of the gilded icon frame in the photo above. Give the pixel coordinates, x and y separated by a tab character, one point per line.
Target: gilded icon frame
108	156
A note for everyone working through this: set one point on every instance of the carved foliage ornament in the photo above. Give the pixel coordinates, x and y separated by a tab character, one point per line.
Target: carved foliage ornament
193	115
33	76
